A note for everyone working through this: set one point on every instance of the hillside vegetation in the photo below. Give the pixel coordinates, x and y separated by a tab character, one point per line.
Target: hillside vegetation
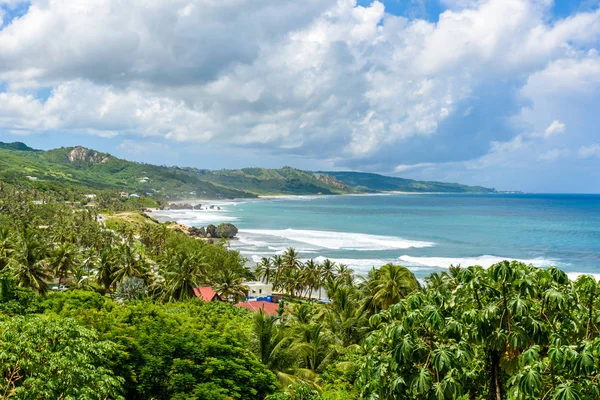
93	170
373	183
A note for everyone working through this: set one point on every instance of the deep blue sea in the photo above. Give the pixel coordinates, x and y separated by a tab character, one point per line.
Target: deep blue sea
425	232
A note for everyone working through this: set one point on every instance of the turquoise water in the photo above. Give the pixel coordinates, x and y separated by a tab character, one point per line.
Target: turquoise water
423	232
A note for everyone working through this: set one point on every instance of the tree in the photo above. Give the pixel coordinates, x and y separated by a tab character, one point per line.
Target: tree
63	261
229	286
49	358
30	267
183	273
388	285
512	331
265	270
311	276
105	267
7	246
128	263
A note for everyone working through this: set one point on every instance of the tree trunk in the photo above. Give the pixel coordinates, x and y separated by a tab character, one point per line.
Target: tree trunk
497	392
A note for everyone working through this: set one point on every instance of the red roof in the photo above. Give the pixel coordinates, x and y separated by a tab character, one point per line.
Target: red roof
206	293
255	306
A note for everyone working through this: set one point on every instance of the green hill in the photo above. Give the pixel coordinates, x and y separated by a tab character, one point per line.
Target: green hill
87	169
372	183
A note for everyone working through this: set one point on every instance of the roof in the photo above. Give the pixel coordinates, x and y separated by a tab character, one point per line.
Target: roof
206	293
255	306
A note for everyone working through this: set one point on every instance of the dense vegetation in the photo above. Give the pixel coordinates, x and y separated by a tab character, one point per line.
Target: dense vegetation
78	167
130	327
373	183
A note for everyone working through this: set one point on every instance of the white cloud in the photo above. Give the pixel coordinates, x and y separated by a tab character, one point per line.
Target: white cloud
590	151
555	128
325	77
553	155
408	167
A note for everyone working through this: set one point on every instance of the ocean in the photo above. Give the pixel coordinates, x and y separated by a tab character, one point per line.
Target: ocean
424	232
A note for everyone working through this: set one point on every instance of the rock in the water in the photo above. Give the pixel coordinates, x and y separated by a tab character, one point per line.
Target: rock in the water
177	206
211	231
226	230
197	232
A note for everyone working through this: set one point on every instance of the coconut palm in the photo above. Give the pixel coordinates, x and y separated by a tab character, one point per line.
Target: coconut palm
272	343
291	259
159	236
344	274
311	277
388	285
278	265
7	246
229	286
127	263
265	270
327	270
105	265
30	266
64	260
183	273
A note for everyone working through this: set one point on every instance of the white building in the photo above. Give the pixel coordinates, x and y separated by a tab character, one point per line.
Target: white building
259	290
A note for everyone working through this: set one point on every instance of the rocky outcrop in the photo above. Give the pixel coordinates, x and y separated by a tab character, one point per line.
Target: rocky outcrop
80	153
211	231
331	181
223	231
184	206
226	230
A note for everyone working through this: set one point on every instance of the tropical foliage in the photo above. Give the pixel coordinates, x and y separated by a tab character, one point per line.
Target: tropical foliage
129	325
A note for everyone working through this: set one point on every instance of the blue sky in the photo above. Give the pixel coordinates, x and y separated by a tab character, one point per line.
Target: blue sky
501	93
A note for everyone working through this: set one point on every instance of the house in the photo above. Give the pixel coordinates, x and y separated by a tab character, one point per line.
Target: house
144	179
134	196
206	293
255	306
90	196
259	291
124	195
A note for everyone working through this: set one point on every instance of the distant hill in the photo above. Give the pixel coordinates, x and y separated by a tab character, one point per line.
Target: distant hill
85	168
16	146
373	183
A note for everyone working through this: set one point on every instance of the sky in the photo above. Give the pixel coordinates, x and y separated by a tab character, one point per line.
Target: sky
499	93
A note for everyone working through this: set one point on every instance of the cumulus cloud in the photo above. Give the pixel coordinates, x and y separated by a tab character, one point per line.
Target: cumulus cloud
555	128
553	155
328	78
592	150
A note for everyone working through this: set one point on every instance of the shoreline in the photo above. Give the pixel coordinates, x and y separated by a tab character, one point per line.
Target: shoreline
292	196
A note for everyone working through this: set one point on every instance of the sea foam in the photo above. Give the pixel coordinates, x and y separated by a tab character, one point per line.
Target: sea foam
485	261
340	240
196	217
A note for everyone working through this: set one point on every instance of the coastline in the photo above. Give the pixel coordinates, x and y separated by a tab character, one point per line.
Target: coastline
292	196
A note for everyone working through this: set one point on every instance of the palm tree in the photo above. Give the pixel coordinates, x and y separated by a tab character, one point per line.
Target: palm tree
30	268
7	246
327	270
291	259
388	285
159	235
278	265
183	273
344	318
65	258
229	286
344	274
265	270
311	276
272	341
127	263
105	268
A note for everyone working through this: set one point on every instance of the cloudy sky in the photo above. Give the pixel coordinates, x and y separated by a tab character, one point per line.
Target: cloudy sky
501	93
